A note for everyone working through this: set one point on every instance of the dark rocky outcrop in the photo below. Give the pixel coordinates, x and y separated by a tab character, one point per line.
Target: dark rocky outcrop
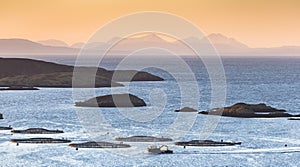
143	139
204	143
40	140
244	110
186	109
27	72
114	100
99	145
37	131
11	67
58	79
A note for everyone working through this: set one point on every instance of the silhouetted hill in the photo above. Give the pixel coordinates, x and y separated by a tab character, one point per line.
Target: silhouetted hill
16	66
57	79
28	72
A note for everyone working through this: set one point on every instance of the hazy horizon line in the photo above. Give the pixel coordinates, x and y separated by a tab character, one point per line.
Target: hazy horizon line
68	44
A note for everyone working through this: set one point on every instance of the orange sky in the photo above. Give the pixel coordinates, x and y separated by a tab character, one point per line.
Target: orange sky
258	23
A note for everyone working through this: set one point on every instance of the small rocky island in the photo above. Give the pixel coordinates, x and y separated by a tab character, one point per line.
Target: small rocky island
244	110
143	139
99	145
114	100
186	109
204	143
40	140
37	131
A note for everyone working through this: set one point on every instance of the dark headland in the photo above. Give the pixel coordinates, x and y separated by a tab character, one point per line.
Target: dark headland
244	110
36	73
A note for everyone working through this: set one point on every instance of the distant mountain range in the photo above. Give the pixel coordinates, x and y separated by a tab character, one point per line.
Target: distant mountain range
27	47
225	46
53	42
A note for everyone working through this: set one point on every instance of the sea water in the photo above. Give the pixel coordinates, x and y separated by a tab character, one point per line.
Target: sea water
271	80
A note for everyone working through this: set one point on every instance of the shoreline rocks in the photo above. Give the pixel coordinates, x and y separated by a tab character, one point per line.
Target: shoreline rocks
244	110
114	100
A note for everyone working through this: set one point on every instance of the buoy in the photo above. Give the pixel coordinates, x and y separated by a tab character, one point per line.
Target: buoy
17	144
183	146
76	148
285	145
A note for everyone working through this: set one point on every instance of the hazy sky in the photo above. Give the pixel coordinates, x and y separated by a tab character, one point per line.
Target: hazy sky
257	23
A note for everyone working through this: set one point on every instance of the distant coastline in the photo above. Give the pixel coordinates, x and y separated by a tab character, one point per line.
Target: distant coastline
226	46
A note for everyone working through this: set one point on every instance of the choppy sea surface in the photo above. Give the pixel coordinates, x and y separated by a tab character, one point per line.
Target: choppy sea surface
271	80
